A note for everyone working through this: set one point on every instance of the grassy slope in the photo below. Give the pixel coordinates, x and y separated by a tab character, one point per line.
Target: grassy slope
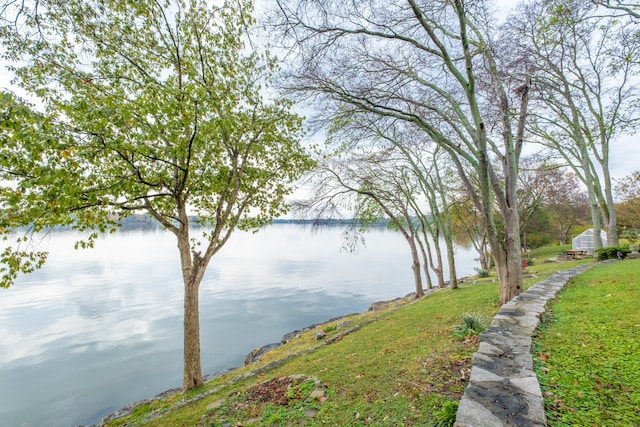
397	369
589	351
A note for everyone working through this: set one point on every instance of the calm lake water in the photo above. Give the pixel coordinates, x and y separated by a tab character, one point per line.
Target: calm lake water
97	329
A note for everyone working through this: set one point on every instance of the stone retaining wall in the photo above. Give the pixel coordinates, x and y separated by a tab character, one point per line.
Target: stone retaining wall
503	389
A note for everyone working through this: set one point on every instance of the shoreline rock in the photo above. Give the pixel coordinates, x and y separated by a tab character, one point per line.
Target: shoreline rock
256	354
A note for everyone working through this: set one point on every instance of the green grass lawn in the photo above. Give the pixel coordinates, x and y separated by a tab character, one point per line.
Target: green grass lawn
400	366
398	369
588	353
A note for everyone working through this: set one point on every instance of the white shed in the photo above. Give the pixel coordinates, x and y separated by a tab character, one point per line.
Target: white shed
584	240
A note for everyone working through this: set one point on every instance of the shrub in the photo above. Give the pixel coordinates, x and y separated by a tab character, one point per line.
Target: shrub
611	252
631	235
447	415
472	324
330	328
483	273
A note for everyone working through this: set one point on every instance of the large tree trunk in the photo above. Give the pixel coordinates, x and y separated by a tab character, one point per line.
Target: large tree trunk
507	257
594	208
595	222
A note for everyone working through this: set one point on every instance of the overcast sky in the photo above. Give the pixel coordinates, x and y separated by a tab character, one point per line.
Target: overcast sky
624	155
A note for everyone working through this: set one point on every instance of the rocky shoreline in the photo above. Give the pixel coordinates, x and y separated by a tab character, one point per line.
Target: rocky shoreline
255	355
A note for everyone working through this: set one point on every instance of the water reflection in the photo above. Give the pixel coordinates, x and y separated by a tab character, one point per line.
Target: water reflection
95	330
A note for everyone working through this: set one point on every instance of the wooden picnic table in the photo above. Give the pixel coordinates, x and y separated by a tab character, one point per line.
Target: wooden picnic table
575	253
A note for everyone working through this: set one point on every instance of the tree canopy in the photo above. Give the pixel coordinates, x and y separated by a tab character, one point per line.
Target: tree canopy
431	66
143	106
586	93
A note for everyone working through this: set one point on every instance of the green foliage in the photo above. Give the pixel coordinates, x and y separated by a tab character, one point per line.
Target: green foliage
631	235
483	273
538	238
380	374
588	353
446	417
153	107
274	415
14	261
472	324
302	390
279	401
330	328
612	252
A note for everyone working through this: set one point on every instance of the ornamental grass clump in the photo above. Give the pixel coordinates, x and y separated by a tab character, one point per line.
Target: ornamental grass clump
472	324
446	417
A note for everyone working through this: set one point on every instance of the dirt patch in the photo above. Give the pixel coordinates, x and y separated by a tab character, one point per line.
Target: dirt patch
275	391
446	376
285	401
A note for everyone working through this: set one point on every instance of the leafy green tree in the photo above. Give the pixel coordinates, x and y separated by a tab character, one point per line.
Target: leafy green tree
150	106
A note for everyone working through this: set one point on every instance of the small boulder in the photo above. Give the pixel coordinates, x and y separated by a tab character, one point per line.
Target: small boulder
318	394
344	324
257	354
310	413
215	405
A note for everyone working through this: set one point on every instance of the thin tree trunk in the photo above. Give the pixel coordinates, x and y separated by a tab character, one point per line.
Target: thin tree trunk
192	274
440	269
484	255
192	365
509	263
444	223
453	279
415	266
612	223
409	236
482	260
424	248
